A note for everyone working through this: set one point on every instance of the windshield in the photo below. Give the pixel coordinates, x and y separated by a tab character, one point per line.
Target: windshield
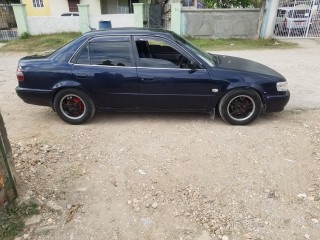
210	59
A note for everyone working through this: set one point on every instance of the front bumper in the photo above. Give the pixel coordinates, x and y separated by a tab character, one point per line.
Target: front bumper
35	96
276	103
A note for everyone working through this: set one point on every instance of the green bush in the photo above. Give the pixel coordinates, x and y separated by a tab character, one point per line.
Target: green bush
24	35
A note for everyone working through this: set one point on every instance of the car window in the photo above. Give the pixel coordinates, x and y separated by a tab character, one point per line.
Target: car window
109	53
210	59
84	56
155	53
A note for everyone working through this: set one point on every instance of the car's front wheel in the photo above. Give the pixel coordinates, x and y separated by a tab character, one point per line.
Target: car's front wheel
240	107
73	106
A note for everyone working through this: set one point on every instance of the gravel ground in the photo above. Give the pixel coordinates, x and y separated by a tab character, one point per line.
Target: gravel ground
173	176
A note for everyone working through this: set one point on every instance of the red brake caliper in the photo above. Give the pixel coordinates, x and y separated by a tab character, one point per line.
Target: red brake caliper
79	104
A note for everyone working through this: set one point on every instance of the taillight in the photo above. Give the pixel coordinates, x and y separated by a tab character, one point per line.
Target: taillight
20	75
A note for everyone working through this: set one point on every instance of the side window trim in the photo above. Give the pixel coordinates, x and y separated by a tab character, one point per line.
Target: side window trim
77	53
168	42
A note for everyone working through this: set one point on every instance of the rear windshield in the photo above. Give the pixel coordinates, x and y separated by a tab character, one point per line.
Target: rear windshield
69	49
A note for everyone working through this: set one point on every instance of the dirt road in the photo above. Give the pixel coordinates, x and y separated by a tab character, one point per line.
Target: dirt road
174	176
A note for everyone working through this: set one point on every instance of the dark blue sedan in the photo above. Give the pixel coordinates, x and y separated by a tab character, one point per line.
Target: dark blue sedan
147	70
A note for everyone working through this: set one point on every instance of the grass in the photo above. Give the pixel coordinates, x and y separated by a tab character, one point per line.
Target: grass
11	219
240	44
40	43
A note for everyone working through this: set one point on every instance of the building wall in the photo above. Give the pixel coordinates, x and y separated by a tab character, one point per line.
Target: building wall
94	8
37	11
58	7
41	24
222	23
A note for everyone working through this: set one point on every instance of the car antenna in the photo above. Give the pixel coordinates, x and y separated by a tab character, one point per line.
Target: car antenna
91	28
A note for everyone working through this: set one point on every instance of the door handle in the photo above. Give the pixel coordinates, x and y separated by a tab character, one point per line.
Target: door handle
81	75
148	79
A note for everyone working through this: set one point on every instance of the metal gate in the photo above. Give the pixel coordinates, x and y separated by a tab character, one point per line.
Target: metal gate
298	18
158	15
8	23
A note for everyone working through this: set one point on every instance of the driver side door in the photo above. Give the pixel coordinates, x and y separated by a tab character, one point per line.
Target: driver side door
166	81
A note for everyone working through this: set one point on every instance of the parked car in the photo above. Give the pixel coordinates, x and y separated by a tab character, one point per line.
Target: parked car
291	19
147	70
70	14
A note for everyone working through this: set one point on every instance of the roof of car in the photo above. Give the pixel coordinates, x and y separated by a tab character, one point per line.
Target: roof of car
130	31
298	7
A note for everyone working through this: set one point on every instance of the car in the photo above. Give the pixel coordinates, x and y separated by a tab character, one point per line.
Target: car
292	19
132	69
70	14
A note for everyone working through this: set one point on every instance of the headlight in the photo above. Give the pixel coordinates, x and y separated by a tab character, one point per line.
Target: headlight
282	86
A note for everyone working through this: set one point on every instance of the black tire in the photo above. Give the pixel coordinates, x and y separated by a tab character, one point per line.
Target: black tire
240	107
73	106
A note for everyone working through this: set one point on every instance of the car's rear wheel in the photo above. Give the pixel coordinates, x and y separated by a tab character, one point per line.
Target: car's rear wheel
73	106
240	107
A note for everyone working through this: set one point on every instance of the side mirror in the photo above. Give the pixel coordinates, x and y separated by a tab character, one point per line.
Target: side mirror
193	65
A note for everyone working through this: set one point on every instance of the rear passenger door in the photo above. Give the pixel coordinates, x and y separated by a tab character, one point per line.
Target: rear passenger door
105	67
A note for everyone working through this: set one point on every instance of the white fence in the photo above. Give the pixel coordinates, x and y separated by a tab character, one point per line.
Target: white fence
117	20
47	25
6	35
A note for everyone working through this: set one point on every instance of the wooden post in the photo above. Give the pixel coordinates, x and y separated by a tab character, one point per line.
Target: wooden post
8	191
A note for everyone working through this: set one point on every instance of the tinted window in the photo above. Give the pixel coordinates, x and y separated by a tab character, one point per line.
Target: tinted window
106	53
84	56
158	54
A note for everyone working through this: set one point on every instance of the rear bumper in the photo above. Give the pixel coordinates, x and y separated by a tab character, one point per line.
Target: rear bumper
276	103
35	96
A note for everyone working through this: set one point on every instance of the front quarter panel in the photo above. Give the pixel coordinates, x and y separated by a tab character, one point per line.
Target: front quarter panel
264	85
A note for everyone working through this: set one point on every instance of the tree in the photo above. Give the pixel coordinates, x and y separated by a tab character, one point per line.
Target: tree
261	15
234	3
12	1
231	3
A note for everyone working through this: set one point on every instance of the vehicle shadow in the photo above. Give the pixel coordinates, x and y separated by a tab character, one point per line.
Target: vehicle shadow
121	117
124	117
102	117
